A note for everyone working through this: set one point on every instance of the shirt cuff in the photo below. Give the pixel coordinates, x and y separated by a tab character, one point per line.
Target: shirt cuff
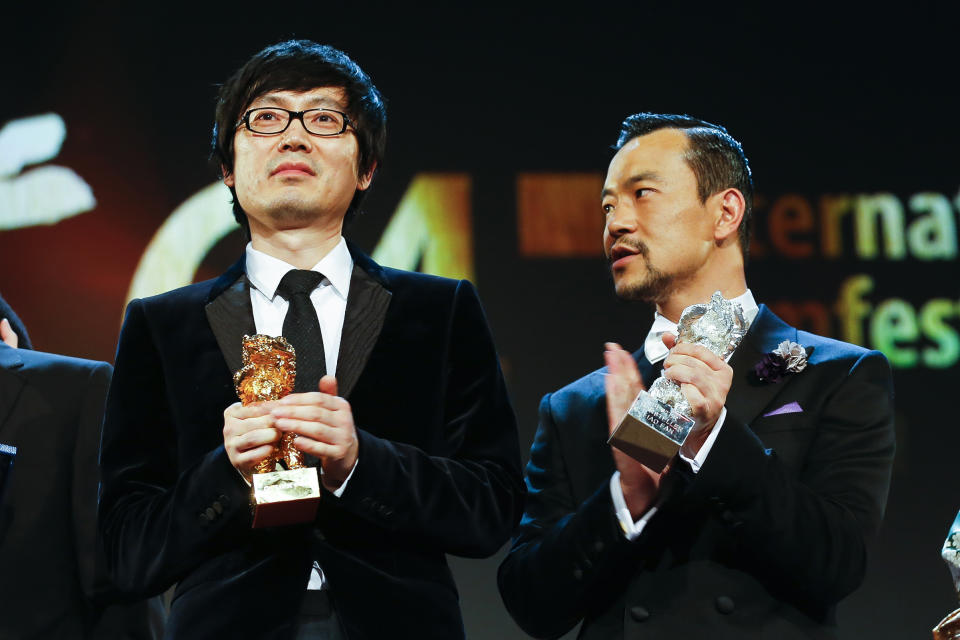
630	528
343	487
697	461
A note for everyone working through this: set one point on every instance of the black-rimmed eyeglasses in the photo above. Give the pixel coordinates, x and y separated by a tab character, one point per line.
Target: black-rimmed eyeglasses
273	120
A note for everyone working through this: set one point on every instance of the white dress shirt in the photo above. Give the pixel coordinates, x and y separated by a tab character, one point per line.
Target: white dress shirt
655	351
330	302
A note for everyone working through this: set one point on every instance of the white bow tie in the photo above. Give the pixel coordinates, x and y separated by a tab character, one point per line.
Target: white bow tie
653	347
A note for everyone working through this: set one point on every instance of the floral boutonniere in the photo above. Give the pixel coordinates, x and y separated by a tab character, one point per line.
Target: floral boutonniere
788	357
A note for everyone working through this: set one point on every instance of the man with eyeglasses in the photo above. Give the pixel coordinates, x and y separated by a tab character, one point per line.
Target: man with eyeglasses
399	395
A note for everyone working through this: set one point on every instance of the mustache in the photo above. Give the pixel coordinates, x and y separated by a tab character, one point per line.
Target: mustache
633	243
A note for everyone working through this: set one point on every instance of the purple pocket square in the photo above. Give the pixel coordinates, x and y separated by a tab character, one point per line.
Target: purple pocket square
793	407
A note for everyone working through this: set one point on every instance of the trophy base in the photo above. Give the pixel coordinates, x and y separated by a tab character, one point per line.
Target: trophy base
949	627
285	497
651	432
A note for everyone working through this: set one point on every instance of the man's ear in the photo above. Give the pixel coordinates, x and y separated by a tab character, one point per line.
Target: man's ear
227	176
731	207
363	181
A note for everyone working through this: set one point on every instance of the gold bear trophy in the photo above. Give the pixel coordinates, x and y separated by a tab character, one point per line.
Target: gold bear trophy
285	490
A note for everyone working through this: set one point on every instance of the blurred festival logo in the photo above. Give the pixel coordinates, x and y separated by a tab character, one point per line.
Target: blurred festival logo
43	195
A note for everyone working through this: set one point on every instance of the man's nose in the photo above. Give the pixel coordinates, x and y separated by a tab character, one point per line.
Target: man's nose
295	137
621	220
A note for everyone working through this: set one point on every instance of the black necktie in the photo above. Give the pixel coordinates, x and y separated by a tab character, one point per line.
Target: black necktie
302	329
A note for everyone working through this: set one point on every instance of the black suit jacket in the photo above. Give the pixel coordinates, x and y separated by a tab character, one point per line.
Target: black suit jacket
438	471
761	543
53	581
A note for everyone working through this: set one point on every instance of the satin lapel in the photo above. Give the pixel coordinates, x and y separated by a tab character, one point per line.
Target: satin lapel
363	319
748	397
10	383
230	315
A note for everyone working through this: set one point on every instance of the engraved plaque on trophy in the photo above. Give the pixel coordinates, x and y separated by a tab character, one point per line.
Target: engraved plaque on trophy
285	491
949	627
658	421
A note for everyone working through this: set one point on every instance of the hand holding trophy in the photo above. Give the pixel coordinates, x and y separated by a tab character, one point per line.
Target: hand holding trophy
291	493
659	420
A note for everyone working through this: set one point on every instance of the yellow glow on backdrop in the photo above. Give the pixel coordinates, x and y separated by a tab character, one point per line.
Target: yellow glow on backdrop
432	228
180	244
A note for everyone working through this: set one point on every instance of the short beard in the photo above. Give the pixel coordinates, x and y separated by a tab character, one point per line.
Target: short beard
654	288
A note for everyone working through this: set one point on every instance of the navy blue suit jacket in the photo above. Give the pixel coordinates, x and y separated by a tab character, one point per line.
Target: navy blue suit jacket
438	471
761	543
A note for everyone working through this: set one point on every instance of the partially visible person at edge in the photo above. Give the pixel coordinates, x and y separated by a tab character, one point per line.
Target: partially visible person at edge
399	397
760	525
54	581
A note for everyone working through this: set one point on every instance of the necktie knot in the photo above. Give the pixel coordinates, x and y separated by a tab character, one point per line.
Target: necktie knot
298	281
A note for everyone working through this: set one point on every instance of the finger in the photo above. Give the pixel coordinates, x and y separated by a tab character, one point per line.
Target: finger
328	385
701	353
322	450
696	399
669	340
684	373
675	359
241	412
304	412
319	431
628	367
254	439
313	398
8	335
251	457
238	426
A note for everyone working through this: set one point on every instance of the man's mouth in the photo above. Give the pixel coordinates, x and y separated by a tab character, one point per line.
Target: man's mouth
293	168
621	254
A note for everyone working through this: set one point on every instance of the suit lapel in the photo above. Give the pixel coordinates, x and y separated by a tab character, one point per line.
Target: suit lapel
363	319
230	313
648	371
10	383
748	397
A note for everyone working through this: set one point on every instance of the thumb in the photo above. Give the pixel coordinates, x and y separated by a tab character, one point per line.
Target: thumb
669	340
328	385
7	334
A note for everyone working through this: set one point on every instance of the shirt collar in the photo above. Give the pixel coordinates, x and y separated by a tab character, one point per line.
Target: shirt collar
265	272
655	350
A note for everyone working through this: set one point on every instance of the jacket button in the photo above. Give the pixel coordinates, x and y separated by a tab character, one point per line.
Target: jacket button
598	546
210	513
217	506
724	604
639	614
578	573
224	500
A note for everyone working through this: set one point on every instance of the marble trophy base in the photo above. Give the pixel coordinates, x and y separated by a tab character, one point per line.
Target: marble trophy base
651	432
285	497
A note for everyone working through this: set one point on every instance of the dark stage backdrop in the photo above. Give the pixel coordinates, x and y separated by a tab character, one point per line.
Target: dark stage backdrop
499	134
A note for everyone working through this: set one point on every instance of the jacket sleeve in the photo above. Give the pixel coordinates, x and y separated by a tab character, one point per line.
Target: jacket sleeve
86	479
567	559
808	534
157	521
467	497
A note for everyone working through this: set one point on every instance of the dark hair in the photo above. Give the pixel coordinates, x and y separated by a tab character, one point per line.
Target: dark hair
299	65
716	158
7	312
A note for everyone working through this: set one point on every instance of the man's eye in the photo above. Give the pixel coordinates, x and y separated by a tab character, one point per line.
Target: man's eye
642	192
265	116
607	208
